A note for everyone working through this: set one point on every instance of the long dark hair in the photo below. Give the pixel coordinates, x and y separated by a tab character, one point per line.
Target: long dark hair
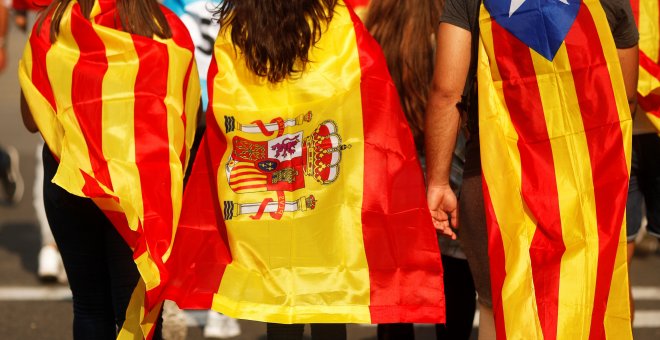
405	31
141	17
275	35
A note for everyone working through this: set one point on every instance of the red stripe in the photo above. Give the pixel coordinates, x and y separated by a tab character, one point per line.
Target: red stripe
197	269
152	147
539	183
241	167
245	174
87	92
393	220
634	4
497	262
40	45
650	104
246	187
649	65
606	152
246	180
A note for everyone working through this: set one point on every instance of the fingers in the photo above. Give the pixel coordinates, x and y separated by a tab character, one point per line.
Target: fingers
454	218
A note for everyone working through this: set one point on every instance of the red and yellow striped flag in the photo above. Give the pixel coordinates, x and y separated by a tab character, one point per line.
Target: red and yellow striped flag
118	111
647	15
316	189
555	133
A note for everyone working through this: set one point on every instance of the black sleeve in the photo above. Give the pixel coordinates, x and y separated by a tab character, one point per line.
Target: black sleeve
456	12
622	23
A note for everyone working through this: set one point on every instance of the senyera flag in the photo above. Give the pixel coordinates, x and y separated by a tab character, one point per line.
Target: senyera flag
118	111
647	15
555	133
306	202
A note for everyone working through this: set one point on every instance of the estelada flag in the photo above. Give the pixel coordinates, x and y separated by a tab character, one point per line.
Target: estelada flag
647	15
118	111
306	202
555	134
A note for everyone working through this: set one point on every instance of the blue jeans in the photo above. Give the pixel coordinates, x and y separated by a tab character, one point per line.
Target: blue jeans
98	263
644	186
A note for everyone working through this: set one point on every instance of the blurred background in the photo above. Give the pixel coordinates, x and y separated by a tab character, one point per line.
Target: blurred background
31	308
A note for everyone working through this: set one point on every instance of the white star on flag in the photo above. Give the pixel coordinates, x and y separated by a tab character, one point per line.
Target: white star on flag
515	4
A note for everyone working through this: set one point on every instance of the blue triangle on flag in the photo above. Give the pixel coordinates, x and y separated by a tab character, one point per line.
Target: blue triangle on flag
540	24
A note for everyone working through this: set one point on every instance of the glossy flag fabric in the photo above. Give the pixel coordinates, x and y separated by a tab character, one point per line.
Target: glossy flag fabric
197	15
306	202
647	15
555	134
118	111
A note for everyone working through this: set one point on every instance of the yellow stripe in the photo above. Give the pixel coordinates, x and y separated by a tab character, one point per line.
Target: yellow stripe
119	121
60	61
647	82
655	120
648	28
502	172
577	203
279	268
617	315
139	322
179	60
43	113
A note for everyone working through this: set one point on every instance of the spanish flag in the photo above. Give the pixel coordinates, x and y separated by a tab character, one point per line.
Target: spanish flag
306	202
118	111
555	134
647	15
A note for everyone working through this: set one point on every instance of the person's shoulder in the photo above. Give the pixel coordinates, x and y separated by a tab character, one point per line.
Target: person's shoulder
179	30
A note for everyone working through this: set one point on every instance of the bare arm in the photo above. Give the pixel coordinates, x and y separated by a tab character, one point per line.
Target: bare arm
443	121
28	121
629	60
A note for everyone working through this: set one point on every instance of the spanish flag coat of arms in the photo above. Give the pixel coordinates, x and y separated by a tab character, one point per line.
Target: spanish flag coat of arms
555	134
306	202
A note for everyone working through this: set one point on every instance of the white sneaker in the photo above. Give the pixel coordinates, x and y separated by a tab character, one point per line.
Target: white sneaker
51	268
221	326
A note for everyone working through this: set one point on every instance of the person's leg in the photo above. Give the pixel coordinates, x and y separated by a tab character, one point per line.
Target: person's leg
633	211
328	331
395	331
121	269
74	223
10	175
50	262
460	299
650	171
277	331
474	240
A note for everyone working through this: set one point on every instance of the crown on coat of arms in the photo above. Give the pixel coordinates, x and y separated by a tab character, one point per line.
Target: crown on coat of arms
324	149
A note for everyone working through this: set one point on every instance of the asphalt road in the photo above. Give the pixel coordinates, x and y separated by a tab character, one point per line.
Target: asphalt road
30	309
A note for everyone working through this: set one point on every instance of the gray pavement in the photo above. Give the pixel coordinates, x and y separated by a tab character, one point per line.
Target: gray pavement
45	312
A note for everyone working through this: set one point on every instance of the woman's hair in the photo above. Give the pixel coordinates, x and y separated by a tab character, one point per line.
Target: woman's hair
275	35
406	32
141	17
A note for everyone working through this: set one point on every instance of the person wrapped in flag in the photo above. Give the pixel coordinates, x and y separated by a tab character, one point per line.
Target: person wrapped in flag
115	97
306	201
552	136
644	188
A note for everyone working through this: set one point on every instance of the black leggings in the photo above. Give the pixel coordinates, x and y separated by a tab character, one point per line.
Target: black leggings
320	331
98	263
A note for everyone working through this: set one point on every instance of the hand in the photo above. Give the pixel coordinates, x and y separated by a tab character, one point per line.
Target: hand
444	209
